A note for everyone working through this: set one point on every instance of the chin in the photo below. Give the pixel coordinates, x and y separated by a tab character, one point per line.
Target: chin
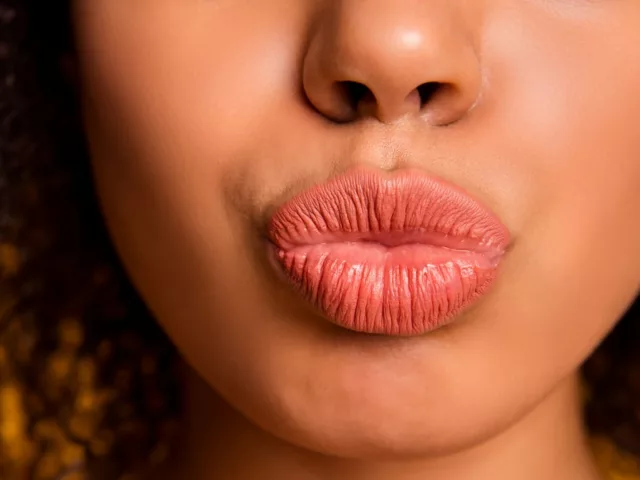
341	422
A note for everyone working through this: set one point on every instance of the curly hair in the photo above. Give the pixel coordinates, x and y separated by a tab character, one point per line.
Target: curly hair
83	366
87	378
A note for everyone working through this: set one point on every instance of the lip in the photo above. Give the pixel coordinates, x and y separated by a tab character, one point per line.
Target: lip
398	253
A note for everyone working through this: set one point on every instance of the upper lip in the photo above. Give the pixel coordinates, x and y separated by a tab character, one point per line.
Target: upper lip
406	206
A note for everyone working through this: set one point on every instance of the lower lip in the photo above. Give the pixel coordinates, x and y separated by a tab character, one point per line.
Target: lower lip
405	290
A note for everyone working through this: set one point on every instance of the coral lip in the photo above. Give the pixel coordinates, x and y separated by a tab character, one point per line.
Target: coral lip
392	254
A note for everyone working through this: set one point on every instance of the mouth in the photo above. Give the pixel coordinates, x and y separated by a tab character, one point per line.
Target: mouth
393	254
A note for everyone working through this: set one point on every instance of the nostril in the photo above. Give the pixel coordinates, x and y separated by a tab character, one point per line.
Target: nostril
428	90
354	93
356	99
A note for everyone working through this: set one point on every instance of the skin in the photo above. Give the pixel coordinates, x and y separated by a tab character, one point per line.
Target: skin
202	116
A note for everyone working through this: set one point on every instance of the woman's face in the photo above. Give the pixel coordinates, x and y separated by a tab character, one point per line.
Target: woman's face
204	117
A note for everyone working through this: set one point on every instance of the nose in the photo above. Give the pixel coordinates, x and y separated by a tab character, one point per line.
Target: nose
387	59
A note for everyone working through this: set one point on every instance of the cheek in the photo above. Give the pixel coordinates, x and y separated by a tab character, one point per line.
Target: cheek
169	111
172	114
184	97
569	95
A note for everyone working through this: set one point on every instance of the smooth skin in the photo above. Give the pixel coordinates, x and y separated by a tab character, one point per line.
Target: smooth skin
204	115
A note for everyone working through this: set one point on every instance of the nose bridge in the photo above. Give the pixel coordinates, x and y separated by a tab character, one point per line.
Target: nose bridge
396	51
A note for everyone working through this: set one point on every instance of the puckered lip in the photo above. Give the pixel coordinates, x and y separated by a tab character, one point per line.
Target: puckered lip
391	209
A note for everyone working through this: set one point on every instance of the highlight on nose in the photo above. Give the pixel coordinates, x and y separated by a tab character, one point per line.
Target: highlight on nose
389	62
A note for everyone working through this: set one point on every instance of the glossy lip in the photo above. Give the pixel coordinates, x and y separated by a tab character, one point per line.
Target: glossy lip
388	253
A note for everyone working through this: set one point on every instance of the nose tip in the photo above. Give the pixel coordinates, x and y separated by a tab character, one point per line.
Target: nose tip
386	62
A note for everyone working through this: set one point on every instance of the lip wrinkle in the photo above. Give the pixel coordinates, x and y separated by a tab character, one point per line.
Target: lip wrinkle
393	255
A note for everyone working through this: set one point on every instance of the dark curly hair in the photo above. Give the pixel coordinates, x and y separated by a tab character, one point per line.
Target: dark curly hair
87	378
